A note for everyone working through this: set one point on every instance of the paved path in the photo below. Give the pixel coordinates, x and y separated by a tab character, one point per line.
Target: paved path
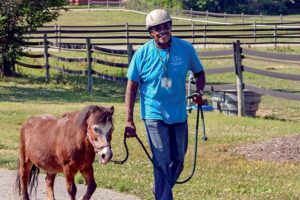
7	180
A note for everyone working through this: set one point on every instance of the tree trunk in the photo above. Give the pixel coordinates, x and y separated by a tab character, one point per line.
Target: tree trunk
6	67
7	62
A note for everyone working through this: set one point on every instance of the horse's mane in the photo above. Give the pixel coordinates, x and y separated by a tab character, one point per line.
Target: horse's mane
68	114
86	111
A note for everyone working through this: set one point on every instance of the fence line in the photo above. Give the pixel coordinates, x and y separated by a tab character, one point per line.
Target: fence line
237	54
188	14
195	33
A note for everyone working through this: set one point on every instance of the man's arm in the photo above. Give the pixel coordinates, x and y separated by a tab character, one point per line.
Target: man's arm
200	81
130	96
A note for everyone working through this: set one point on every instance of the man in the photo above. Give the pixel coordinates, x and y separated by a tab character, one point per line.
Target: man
158	70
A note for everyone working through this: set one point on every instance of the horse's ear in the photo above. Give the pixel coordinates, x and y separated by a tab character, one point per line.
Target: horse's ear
111	110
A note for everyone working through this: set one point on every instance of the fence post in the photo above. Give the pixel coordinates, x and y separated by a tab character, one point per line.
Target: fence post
204	36
46	56
107	6
261	19
243	19
193	32
56	35
133	5
59	36
89	67
127	33
225	16
254	32
206	16
239	77
190	80
129	52
275	35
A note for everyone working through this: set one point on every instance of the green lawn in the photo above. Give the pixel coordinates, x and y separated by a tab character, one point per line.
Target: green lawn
220	174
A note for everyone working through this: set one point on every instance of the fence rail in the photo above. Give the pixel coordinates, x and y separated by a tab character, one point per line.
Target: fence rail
189	14
238	53
256	33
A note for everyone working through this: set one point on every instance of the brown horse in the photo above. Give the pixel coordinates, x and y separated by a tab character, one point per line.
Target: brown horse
68	144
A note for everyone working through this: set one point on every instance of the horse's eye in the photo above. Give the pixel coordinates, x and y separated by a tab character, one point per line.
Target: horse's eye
96	129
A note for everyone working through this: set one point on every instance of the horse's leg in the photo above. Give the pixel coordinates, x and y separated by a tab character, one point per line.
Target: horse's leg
71	187
49	180
25	166
88	175
24	172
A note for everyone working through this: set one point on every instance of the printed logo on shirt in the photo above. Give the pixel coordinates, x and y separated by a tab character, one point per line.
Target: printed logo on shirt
176	60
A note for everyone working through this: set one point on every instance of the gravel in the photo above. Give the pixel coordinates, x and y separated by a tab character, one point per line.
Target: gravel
7	181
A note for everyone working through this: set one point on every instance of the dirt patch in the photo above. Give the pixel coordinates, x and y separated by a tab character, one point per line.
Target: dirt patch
264	113
281	149
7	178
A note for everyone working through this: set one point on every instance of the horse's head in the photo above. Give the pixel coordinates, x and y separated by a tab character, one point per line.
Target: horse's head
99	125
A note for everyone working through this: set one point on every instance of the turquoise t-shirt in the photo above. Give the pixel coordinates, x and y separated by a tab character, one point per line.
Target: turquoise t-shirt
161	74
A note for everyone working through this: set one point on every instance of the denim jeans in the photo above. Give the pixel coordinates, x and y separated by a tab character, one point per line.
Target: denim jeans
168	143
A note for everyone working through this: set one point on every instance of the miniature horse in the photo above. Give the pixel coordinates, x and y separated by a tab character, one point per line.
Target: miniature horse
67	145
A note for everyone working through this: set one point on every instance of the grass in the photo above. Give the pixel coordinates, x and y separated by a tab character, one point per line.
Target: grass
220	174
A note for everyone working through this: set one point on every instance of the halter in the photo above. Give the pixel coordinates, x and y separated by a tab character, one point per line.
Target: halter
96	149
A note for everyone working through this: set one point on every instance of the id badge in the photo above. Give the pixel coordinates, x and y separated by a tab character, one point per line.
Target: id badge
166	83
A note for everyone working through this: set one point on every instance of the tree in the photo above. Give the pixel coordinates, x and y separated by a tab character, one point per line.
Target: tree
250	6
229	6
18	17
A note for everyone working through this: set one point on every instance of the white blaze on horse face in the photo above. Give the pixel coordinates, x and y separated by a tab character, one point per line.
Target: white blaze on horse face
103	134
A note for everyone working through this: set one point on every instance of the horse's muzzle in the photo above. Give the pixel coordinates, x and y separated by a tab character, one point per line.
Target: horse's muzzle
105	154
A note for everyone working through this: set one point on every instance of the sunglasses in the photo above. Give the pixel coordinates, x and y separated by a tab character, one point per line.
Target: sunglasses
162	27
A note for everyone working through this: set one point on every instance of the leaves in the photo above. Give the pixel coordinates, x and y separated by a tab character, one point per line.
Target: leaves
18	18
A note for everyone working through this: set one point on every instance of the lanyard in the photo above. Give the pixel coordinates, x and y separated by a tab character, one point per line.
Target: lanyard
164	62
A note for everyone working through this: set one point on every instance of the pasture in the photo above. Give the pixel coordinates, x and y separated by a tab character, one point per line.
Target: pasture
220	173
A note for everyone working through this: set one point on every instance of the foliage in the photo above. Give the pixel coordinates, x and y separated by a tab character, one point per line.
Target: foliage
228	6
19	17
250	6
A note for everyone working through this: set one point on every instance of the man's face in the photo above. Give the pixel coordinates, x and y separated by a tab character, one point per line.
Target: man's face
162	32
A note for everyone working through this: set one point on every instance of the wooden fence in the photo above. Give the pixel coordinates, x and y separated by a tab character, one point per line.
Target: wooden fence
201	34
238	53
187	14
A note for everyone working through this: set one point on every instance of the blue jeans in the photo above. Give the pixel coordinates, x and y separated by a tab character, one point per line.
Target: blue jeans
168	143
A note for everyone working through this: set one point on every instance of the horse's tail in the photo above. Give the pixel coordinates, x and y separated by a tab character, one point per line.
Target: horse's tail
32	179
17	182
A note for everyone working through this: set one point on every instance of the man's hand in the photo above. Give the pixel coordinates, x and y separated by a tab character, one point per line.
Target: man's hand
130	130
198	99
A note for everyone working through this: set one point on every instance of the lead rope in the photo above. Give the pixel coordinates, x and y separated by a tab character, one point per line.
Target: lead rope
199	109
